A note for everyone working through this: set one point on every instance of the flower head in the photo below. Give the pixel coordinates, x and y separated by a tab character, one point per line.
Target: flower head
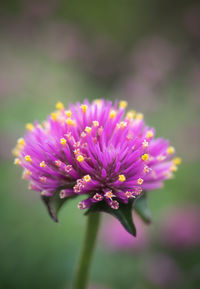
95	149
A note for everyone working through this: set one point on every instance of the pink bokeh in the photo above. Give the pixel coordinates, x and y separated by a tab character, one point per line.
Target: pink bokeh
181	227
115	238
162	271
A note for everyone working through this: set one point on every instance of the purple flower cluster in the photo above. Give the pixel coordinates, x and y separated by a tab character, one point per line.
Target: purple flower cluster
95	149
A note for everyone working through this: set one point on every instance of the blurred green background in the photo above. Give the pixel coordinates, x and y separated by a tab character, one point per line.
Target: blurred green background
146	52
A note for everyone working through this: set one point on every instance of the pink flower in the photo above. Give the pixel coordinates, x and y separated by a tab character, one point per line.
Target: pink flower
97	150
181	227
162	271
115	237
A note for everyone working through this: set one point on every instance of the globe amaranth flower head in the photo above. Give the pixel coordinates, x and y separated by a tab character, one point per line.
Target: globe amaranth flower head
94	149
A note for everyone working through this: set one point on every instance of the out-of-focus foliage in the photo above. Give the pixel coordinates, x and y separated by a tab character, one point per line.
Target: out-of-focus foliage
144	52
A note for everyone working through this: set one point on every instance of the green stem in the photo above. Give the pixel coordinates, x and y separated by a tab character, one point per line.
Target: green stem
82	273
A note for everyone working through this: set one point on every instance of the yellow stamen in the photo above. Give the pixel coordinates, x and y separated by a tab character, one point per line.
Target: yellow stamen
62	120
161	158
122	178
43	164
123	104
109	195
45	124
177	161
83	134
80	158
31	187
171	150
21	142
174	168
138	191
43	179
130	115
70	122
54	116
68	113
149	134
129	137
29	126
88	129
28	158
44	193
77	144
84	108
59	105
26	173
77	151
129	195
98	102
57	163
145	157
15	152
145	144
139	116
169	175
39	126
68	135
63	141
87	178
112	114
140	181
17	161
146	169
95	123
122	124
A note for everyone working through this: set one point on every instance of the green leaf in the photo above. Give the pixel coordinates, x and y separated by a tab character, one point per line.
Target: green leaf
54	204
142	208
123	214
